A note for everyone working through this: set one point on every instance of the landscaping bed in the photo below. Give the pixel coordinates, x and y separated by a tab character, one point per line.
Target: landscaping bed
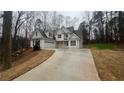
25	63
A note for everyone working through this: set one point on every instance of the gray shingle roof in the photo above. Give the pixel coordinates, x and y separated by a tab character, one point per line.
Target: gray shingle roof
78	33
43	34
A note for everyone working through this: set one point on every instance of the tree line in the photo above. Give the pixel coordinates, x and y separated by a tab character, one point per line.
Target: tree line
103	27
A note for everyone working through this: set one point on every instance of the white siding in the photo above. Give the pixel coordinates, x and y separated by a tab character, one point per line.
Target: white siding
41	43
62	36
37	36
49	44
74	38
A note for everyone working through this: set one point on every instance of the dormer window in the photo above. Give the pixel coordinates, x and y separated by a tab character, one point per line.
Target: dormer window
66	35
59	35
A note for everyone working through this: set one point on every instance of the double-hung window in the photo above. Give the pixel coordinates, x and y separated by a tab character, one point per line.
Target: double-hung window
59	35
73	43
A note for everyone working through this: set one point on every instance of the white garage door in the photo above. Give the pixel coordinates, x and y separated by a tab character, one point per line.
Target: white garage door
49	44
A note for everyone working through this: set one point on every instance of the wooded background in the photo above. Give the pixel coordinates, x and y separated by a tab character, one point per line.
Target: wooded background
16	28
103	27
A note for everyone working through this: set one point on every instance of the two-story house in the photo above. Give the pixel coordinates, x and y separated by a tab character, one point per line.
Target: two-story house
62	38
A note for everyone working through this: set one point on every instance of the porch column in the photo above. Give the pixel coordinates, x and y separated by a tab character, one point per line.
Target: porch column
63	44
77	43
69	43
31	43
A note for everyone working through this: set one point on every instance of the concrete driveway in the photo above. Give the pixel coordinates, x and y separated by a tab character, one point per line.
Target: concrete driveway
64	65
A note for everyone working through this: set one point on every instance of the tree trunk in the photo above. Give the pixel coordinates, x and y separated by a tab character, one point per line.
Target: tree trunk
14	40
7	26
111	28
102	29
121	26
106	30
26	37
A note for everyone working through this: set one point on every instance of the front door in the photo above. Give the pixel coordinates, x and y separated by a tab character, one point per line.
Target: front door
66	44
37	45
60	44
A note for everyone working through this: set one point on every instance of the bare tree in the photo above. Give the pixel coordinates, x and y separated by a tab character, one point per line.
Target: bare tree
111	26
44	15
22	17
28	27
88	18
121	26
54	20
19	21
60	20
106	27
83	32
57	20
74	21
67	21
7	26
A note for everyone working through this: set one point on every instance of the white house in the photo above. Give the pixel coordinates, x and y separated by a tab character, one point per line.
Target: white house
62	38
67	39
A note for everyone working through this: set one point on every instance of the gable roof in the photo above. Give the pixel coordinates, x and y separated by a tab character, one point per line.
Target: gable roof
41	32
78	33
73	34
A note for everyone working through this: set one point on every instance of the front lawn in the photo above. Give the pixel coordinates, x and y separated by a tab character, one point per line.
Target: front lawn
109	60
109	64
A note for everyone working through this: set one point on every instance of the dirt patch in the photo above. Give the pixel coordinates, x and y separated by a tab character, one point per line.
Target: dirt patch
109	64
25	64
25	55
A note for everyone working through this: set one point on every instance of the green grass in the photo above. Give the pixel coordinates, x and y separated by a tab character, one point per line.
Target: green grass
101	46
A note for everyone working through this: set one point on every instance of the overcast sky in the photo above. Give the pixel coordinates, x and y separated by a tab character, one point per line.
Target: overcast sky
73	14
